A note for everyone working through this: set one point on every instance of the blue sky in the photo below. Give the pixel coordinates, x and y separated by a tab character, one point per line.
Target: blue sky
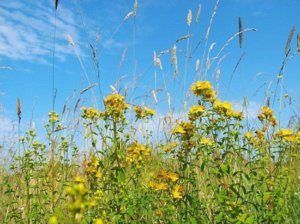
26	46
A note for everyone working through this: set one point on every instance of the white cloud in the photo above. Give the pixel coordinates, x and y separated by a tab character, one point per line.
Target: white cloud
27	29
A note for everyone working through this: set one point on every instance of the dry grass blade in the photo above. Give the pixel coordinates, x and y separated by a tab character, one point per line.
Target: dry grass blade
135	6
56	4
212	19
174	61
130	14
198	13
88	88
240	32
289	40
157	61
19	109
298	42
189	18
70	40
185	37
123	57
154	96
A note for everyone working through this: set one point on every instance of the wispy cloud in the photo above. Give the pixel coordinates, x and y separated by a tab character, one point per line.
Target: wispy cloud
27	29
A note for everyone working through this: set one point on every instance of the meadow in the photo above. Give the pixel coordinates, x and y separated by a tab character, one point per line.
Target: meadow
123	162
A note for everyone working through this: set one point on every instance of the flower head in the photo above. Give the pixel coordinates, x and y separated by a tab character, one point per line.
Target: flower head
267	114
195	112
115	106
286	135
90	113
204	89
177	191
143	112
184	129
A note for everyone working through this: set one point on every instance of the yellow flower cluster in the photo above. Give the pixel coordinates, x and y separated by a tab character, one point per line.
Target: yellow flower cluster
267	114
185	129
195	112
137	153
143	112
164	182
206	141
79	203
287	135
90	113
204	89
115	106
255	139
92	167
167	175
225	108
170	146
53	117
177	191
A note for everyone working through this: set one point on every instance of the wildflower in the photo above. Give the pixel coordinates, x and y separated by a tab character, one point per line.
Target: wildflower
167	176
92	167
186	129
53	220
177	192
98	221
286	135
206	141
173	176
248	135
195	112
115	106
170	146
90	113
225	108
53	117
158	186
204	89
137	153
267	114
144	112
98	194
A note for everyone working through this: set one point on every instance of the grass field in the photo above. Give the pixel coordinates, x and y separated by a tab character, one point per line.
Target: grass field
123	162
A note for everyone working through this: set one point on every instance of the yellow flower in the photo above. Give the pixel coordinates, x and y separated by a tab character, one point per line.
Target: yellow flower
170	146
53	220
195	112
248	135
206	141
92	165
167	176
173	176
98	221
222	107
286	135
267	114
115	107
90	113
158	186
137	153
53	117
177	192
144	112
204	89
186	129
225	108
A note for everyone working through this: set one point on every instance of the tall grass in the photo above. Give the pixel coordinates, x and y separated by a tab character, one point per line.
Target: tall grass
206	164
